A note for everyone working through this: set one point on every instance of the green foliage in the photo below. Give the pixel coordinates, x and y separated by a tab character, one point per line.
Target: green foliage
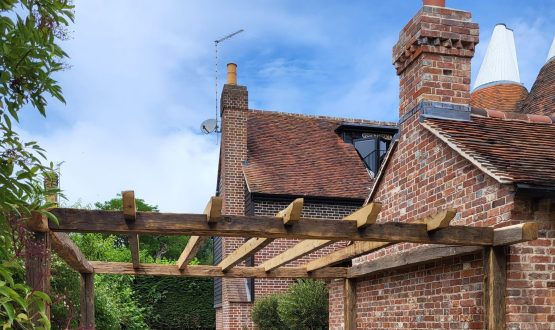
265	313
29	56
305	306
177	303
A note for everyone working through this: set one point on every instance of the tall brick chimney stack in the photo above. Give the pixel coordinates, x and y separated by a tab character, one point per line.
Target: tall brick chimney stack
234	104
432	57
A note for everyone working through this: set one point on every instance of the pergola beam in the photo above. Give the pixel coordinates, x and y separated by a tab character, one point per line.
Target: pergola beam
124	268
130	214
289	215
76	220
507	235
363	217
66	249
433	222
213	213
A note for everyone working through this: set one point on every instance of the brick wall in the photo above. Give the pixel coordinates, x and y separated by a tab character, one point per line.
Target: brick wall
531	269
234	108
264	287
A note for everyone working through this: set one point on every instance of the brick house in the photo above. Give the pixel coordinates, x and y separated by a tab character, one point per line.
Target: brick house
490	153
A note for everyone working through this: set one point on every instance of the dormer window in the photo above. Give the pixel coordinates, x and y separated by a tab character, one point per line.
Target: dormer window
371	142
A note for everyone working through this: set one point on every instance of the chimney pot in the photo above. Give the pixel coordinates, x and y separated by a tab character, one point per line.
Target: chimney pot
232	74
437	3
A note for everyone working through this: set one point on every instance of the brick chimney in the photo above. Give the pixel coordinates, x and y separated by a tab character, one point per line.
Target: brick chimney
234	104
432	57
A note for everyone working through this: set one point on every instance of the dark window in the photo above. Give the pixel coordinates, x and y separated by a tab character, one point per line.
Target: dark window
372	150
217	250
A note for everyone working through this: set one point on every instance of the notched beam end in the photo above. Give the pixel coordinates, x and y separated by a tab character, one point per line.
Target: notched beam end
37	223
129	206
523	232
366	215
439	220
292	212
213	209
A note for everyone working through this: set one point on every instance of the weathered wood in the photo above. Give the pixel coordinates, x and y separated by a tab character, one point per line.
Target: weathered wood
124	268
289	215
433	222
133	240
298	251
495	287
292	212
129	205
191	249
37	265
77	220
409	258
349	304
252	246
37	223
130	214
213	209
66	249
439	220
354	250
362	217
366	215
515	234
87	302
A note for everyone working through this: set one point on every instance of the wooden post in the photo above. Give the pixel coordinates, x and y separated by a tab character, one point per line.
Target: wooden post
37	246
349	304
87	302
495	287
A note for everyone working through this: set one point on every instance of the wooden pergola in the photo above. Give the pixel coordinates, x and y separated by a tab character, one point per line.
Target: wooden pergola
442	240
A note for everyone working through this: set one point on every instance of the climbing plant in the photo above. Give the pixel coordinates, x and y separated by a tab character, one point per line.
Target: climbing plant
29	57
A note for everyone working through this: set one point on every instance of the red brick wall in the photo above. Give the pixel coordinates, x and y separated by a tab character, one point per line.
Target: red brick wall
264	287
531	269
234	108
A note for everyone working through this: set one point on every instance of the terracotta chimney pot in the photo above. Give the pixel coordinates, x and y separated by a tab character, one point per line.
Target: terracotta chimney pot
232	74
437	3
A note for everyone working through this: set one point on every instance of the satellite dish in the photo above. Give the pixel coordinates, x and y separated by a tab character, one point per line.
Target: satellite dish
208	126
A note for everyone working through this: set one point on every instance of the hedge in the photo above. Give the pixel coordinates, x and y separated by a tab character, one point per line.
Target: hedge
176	302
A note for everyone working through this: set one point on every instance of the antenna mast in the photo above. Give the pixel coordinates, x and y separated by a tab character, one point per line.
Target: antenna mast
216	43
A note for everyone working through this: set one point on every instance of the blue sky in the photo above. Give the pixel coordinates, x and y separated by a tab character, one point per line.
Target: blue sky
142	81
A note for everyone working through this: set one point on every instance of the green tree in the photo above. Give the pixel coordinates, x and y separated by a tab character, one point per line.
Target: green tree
29	57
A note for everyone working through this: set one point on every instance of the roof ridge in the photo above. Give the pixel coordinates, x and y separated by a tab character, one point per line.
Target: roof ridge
513	116
332	118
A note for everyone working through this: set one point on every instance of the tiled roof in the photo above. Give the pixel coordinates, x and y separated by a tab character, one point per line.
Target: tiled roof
541	100
509	150
290	154
500	97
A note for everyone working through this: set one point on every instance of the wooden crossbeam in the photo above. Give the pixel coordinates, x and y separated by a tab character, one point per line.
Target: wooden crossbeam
292	213
433	222
130	214
123	268
409	258
506	235
289	215
66	249
509	235
363	217
213	213
252	246
77	220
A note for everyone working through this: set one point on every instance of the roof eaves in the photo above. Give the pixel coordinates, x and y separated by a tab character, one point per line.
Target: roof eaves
480	163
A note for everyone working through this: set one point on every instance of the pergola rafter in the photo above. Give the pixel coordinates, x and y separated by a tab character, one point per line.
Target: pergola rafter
360	228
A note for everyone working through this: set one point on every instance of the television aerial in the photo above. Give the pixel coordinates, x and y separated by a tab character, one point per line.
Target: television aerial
212	125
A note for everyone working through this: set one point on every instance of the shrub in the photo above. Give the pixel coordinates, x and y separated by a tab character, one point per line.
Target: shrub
305	306
265	313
